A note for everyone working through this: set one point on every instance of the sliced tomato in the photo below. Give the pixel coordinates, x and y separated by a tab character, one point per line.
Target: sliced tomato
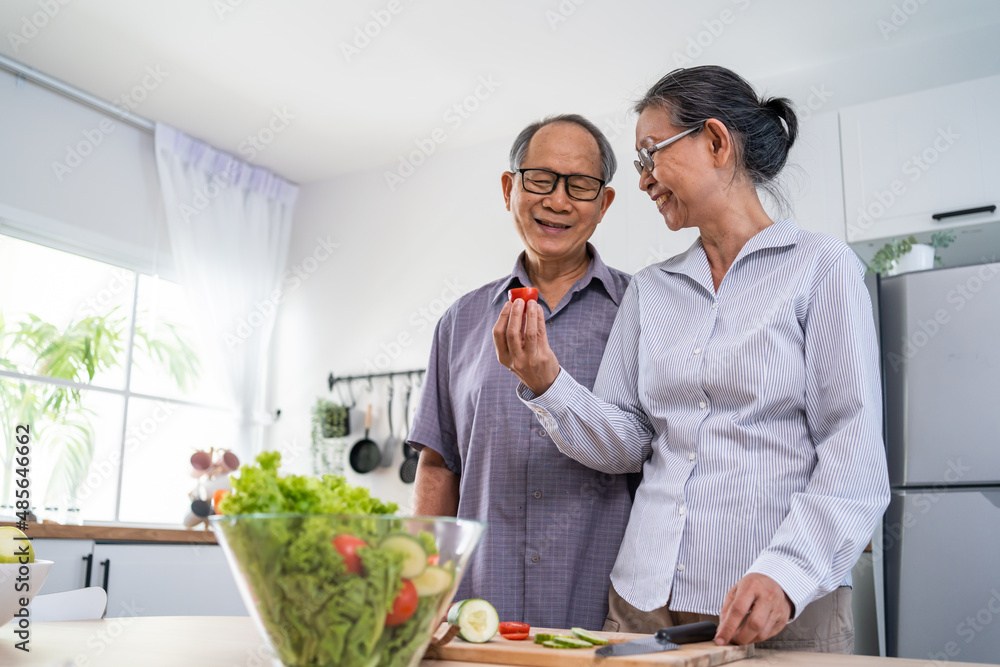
347	547
434	559
525	293
512	626
515	636
403	606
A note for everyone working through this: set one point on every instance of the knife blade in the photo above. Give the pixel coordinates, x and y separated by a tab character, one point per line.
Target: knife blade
665	639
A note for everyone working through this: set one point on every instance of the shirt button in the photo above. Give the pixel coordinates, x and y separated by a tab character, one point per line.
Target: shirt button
542	433
535	558
537	494
703	405
715	305
691	456
682	511
697	350
680	567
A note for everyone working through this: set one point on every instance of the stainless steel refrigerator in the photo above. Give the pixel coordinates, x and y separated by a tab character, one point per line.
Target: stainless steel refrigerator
940	335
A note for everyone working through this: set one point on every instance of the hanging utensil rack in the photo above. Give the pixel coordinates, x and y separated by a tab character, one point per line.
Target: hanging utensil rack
333	381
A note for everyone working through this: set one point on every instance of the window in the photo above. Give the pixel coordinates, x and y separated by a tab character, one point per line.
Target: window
106	366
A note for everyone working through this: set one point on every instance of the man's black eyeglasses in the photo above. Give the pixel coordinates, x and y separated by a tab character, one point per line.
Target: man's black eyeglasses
578	186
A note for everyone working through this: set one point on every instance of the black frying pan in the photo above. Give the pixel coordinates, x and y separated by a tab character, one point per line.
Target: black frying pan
408	470
365	454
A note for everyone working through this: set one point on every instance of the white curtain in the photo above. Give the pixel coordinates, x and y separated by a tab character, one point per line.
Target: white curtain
229	225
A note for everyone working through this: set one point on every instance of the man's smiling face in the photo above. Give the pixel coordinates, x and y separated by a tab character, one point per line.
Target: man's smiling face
554	227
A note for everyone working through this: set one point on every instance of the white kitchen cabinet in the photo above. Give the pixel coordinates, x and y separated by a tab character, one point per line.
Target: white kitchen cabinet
69	563
145	579
812	176
906	158
167	580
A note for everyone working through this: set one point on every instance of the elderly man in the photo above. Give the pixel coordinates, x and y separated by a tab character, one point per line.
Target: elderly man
554	525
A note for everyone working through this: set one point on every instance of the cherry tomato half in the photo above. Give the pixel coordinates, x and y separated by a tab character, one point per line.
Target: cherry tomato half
515	636
526	293
433	559
514	627
403	606
347	547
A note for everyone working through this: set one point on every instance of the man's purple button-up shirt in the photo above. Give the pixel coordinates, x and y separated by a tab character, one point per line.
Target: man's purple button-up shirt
554	525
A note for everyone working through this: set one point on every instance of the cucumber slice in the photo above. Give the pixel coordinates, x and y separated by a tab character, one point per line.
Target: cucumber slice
477	620
432	580
551	644
571	642
587	636
541	639
414	556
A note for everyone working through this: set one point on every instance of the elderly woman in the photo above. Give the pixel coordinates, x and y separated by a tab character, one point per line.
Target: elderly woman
741	377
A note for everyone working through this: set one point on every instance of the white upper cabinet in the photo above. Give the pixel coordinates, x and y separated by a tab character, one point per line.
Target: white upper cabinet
811	179
908	158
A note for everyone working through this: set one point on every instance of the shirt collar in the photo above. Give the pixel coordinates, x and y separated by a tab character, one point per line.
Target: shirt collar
694	261
597	269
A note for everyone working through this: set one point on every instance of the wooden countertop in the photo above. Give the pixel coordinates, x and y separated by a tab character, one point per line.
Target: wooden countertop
232	640
118	533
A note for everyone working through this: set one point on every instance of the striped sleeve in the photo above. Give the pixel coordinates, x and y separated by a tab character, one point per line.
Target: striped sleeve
831	520
613	435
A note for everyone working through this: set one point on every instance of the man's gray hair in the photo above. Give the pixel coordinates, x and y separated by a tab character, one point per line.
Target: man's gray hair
608	162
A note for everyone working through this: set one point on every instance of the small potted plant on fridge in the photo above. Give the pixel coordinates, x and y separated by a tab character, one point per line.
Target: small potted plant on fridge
905	255
330	421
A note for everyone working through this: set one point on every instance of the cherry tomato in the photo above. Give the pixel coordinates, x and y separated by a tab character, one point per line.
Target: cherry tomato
403	606
433	559
513	627
515	636
217	498
347	547
526	293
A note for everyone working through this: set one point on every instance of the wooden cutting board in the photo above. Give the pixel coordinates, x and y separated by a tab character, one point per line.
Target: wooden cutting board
501	651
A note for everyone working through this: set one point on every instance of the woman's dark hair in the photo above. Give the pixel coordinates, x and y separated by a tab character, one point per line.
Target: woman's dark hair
763	130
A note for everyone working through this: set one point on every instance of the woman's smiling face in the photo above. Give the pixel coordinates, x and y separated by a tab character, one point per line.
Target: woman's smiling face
686	174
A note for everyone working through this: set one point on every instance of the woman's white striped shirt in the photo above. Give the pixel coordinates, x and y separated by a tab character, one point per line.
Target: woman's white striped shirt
754	414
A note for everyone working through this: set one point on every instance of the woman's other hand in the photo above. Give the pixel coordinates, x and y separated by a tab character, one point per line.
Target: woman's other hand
523	346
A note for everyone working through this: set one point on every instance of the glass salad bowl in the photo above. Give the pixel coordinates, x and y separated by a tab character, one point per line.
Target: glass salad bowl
349	590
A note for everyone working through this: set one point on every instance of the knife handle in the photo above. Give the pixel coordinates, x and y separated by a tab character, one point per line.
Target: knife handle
688	634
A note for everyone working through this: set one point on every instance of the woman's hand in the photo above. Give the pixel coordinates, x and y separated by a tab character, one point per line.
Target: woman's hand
525	349
755	609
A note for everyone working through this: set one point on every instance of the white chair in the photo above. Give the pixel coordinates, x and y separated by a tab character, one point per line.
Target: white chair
82	604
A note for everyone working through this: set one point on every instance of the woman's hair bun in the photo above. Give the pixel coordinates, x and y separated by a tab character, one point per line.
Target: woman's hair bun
782	108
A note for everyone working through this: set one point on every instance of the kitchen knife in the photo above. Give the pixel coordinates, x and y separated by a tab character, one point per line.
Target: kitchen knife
665	639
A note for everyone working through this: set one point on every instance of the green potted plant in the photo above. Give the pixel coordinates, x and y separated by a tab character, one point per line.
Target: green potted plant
905	255
331	418
330	421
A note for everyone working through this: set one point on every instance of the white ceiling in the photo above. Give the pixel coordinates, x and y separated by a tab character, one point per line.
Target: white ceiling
229	64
